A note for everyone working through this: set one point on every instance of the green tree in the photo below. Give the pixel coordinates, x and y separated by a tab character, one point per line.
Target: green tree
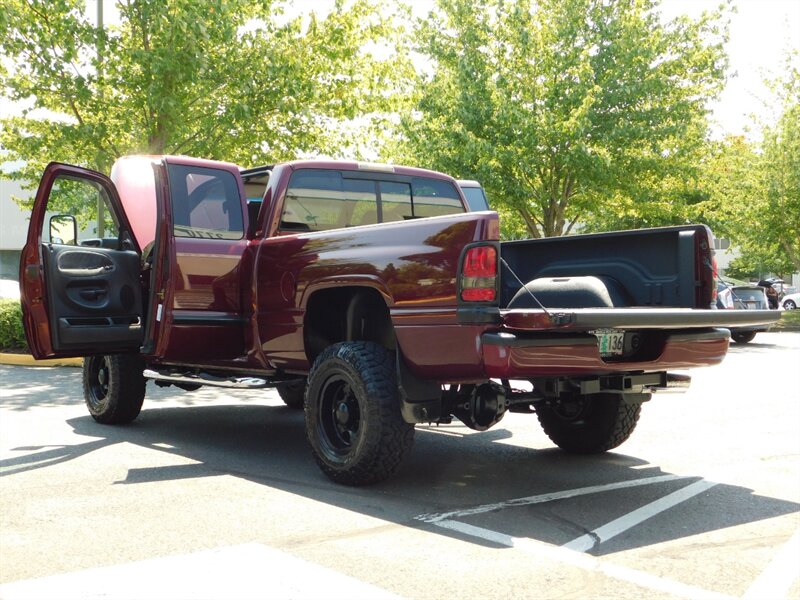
731	184
221	79
562	106
752	191
781	210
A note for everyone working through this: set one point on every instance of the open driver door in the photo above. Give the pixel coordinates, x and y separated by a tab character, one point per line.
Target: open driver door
80	268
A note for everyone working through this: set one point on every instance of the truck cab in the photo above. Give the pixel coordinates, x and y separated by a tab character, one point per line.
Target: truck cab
162	252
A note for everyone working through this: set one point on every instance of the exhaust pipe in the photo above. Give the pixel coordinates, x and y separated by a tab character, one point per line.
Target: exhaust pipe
677	383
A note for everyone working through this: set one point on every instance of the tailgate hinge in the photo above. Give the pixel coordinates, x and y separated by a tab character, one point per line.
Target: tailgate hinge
562	318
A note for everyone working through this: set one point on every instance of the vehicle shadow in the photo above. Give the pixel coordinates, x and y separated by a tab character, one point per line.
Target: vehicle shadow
26	387
450	468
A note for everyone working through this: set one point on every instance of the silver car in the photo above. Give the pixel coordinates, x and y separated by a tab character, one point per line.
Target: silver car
740	295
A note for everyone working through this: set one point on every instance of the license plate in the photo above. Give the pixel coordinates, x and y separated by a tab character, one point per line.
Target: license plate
611	343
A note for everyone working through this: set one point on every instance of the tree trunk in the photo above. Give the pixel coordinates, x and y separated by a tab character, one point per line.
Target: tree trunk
530	222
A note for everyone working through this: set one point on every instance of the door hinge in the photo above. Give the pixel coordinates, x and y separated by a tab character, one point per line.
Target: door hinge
160	295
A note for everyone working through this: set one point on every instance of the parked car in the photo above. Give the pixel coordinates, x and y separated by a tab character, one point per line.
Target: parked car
790	301
741	295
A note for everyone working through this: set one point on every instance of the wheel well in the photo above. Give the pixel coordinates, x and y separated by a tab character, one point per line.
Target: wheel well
346	314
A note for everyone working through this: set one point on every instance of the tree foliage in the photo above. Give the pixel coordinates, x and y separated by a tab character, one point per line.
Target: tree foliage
781	209
221	79
752	191
732	190
564	107
731	184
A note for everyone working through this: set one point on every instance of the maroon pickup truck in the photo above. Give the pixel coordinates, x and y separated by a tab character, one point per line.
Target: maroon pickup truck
366	294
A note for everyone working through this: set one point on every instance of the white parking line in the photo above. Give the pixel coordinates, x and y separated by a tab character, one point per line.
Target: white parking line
588	541
780	574
584	561
595	489
246	572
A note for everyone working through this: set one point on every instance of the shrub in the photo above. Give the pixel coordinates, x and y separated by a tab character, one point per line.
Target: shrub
789	321
12	335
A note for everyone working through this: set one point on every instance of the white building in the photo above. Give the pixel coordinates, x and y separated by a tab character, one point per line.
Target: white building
13	228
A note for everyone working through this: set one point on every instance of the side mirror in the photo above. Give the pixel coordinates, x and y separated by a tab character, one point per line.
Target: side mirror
63	230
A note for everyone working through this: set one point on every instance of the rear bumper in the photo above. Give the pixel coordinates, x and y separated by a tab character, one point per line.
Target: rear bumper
508	355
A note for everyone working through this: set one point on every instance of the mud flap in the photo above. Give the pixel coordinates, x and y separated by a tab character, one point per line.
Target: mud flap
420	399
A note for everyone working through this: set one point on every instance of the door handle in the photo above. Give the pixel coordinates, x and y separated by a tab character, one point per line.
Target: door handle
92	294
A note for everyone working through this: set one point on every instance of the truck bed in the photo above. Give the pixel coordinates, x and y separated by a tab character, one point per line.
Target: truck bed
653	267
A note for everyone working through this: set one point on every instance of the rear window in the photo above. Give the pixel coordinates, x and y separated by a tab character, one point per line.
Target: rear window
322	199
475	198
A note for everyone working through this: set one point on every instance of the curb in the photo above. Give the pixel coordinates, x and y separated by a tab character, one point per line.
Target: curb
784	327
26	360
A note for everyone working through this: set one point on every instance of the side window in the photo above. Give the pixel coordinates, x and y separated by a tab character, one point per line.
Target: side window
82	207
360	194
320	199
433	197
311	200
395	201
205	203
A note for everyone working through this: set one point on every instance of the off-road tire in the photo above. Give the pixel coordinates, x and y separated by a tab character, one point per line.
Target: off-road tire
592	424
114	387
352	411
292	392
743	337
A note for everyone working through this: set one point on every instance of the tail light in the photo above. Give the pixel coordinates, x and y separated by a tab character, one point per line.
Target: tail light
479	274
716	276
705	269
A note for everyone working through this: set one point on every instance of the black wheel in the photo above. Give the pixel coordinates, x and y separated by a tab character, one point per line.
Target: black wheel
353	420
113	387
292	392
789	305
743	337
589	424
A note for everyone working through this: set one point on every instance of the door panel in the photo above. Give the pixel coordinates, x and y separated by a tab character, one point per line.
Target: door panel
85	296
93	297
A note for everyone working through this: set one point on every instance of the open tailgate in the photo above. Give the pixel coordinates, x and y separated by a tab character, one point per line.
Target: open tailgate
585	319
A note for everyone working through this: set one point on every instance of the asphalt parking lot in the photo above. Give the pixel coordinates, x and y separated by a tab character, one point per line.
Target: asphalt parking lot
211	494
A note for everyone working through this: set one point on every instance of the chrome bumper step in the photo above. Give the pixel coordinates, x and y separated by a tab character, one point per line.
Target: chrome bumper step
202	378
